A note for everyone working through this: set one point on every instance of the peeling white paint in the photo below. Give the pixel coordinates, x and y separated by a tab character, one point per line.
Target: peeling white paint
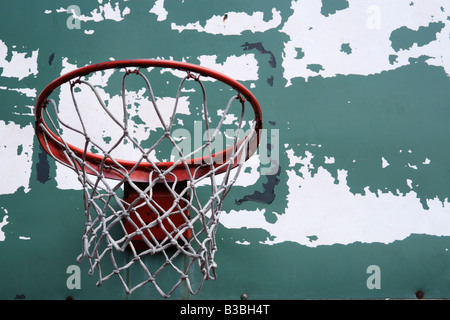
329	160
317	205
20	65
241	68
159	11
103	12
384	162
3	223
412	166
16	151
234	23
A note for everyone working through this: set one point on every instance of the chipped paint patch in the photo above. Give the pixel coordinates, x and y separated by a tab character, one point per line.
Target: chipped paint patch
234	23
103	12
3	223
19	65
241	68
318	206
16	151
29	92
143	119
321	38
159	11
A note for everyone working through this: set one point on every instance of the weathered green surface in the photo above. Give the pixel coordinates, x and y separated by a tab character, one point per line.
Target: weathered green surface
394	214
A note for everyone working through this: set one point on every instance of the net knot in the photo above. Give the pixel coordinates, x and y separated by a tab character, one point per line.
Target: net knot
193	76
135	71
74	82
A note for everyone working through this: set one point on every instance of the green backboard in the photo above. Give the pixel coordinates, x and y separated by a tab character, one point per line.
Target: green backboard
349	200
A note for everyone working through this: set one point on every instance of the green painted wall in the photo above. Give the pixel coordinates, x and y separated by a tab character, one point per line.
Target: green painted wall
392	105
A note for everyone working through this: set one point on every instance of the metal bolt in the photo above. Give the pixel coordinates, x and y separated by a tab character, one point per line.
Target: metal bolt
420	294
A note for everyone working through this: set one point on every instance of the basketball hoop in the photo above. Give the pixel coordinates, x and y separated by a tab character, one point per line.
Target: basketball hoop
161	215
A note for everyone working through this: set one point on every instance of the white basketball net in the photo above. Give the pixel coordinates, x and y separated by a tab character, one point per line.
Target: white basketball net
107	243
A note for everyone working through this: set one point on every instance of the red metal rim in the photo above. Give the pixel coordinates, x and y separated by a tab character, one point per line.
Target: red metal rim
140	173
